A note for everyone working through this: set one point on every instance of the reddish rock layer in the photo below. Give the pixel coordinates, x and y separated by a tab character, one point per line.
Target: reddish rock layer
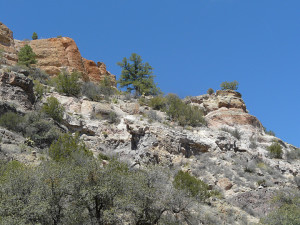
53	55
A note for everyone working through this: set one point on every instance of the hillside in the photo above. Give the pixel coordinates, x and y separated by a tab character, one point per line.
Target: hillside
229	150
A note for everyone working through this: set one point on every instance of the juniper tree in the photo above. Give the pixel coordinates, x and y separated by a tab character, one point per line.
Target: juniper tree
137	76
34	36
26	56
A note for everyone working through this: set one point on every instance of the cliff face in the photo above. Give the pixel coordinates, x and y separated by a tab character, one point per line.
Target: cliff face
7	44
53	55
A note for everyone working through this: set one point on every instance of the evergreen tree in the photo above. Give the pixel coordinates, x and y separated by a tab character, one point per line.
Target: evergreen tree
137	76
34	36
26	56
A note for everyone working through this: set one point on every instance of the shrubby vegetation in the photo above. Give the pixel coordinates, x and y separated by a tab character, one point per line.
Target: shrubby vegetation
33	125
229	85
68	83
53	109
82	191
235	133
275	150
177	110
97	92
193	186
210	91
26	56
68	147
269	132
288	209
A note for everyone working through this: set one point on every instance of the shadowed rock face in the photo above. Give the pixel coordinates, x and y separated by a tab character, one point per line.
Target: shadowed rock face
16	88
53	55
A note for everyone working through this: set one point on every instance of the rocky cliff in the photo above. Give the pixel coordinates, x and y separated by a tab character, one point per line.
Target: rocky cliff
53	55
230	152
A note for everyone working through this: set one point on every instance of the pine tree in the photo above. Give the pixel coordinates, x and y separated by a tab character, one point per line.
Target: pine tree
137	76
34	36
26	56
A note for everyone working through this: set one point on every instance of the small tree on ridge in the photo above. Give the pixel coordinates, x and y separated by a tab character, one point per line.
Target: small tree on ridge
137	76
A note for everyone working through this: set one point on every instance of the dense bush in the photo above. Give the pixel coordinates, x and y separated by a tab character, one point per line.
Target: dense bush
210	91
229	85
275	150
26	56
40	130
39	75
38	89
68	83
157	102
193	186
68	147
33	125
53	109
12	121
185	114
97	92
177	110
287	211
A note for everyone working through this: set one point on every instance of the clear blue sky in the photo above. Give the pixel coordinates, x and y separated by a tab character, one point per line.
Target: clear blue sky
193	45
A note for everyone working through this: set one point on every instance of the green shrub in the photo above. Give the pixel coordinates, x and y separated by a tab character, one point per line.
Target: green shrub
235	133
210	91
177	110
113	117
275	150
193	186
229	85
102	156
40	75
39	89
53	109
96	92
269	132
157	102
287	209
12	121
68	147
26	56
68	83
39	129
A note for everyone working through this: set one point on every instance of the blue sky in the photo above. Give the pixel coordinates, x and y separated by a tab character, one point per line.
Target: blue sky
192	45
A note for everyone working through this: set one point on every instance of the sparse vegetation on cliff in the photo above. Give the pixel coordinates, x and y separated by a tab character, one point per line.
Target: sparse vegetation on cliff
275	150
68	83
229	85
53	109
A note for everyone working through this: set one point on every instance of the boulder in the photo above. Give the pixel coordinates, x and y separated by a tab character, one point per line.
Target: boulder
224	183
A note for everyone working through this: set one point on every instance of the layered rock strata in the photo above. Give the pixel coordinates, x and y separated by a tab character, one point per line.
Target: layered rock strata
53	55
